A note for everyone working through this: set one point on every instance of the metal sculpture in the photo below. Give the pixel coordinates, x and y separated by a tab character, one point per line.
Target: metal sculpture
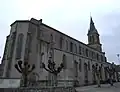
51	64
52	69
111	72
97	73
25	69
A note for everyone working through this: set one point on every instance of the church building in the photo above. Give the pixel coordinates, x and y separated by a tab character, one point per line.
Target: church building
31	41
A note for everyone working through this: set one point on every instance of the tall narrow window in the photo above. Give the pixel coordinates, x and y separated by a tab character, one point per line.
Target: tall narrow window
105	59
51	38
93	73
85	71
71	47
75	48
87	52
19	46
93	55
13	38
80	50
61	42
97	57
92	39
28	46
80	65
83	51
76	68
88	65
66	45
64	61
101	58
90	54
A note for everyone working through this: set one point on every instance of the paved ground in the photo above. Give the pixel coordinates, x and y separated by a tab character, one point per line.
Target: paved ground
104	88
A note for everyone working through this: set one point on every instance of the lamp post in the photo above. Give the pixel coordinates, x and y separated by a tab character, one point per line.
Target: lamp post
52	69
111	72
25	69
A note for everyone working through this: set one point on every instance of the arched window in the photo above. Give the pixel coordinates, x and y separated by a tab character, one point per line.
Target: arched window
61	42
19	46
64	61
66	45
87	52
80	65
97	56
88	65
85	71
101	70
75	48
93	73
71	47
51	41
76	68
29	39
28	46
51	38
92	39
12	43
80	50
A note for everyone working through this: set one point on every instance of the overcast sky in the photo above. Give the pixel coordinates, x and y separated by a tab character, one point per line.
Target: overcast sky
68	16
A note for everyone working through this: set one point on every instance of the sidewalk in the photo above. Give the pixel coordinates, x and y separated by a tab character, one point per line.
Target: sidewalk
104	88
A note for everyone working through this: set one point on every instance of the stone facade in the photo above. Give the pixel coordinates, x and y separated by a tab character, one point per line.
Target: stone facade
28	40
1	70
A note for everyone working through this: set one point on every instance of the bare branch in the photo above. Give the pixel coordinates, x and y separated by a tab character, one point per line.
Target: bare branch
20	64
48	70
19	70
33	67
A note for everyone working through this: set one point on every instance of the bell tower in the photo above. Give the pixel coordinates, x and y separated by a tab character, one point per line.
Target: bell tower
93	37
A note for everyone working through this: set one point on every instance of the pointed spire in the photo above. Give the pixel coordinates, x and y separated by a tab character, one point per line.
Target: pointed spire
92	27
91	21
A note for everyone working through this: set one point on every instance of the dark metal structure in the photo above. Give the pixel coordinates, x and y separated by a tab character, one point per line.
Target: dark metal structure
111	72
25	69
52	69
97	71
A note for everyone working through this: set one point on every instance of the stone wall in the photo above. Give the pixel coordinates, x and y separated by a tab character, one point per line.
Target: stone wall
58	89
46	83
1	70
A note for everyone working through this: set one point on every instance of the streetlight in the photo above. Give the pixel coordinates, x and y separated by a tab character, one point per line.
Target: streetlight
25	70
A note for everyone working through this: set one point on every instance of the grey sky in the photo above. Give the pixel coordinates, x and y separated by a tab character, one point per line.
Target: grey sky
68	16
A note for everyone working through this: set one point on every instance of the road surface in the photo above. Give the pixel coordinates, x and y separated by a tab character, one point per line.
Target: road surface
104	88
